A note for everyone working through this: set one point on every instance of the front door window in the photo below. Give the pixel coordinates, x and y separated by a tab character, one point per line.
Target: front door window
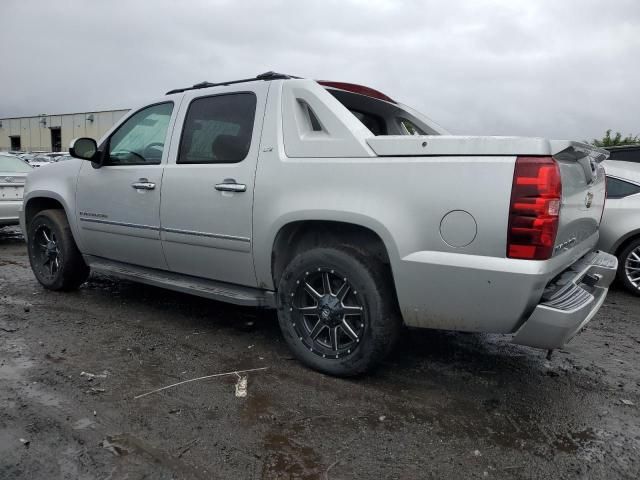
140	139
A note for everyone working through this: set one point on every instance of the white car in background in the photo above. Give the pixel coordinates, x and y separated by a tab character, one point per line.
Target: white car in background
46	158
620	227
39	160
13	173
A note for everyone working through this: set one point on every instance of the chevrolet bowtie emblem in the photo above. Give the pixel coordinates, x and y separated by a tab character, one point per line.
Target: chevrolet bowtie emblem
588	200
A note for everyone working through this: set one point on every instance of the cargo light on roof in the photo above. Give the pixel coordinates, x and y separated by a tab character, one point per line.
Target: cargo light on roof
353	88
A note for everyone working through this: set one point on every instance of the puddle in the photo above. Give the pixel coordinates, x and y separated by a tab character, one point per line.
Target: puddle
125	444
289	459
14	367
572	442
82	424
15	361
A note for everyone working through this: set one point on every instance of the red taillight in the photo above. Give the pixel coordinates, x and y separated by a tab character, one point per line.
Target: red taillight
535	208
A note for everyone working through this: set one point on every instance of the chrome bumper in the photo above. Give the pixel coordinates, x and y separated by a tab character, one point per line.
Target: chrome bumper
569	302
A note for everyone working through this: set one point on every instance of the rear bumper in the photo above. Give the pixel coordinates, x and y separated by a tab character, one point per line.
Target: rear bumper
569	303
9	212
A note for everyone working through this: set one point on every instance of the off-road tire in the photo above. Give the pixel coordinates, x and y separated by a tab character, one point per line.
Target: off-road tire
71	270
371	288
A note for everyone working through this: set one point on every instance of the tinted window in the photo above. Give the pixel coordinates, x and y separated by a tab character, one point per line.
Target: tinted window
373	122
409	128
218	129
381	117
625	154
13	165
140	139
619	188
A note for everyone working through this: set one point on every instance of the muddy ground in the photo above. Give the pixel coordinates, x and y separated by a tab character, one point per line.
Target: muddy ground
446	405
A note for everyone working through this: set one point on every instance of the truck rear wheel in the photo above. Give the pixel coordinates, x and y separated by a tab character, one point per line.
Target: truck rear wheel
337	310
55	259
629	267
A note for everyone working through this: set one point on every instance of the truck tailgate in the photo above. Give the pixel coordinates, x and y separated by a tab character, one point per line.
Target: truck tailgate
583	192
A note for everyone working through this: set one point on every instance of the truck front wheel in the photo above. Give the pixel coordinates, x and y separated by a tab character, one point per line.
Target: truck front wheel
337	310
55	259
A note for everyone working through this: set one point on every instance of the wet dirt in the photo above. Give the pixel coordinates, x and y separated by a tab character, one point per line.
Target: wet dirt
445	405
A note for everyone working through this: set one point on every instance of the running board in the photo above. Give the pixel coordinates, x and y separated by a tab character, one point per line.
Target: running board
223	292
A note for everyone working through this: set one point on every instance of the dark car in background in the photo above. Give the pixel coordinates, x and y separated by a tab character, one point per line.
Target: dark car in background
625	153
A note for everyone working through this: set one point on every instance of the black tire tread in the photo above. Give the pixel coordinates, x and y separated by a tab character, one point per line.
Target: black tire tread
74	271
387	321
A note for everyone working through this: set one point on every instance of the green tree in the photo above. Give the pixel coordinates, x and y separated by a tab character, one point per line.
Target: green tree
616	140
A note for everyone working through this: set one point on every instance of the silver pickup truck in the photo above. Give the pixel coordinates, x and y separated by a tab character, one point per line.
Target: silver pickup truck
350	213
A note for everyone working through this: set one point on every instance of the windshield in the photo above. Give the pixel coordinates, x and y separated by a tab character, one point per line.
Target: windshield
13	165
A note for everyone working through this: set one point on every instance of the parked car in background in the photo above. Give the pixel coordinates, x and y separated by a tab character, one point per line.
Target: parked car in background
28	156
347	211
45	159
13	172
620	227
56	155
39	161
625	153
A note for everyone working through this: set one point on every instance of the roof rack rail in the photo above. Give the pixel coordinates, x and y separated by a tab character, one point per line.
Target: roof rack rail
267	76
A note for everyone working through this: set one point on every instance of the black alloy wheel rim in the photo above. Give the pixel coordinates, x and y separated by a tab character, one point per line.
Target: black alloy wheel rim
46	254
327	313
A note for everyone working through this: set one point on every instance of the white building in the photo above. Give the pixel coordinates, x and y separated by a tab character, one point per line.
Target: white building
53	133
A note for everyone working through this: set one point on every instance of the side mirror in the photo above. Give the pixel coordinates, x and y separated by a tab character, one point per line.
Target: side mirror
83	148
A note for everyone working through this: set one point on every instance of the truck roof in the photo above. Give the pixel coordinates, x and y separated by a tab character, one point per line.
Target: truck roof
268	76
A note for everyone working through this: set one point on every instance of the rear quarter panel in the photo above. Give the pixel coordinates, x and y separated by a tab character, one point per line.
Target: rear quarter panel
579	219
403	200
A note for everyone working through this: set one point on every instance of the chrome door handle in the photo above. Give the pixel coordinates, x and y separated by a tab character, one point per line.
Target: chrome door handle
230	185
143	184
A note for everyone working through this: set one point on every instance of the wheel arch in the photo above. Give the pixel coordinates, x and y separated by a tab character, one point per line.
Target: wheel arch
625	241
35	205
301	234
38	201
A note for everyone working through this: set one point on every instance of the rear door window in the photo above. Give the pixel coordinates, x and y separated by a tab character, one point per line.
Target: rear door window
617	188
218	129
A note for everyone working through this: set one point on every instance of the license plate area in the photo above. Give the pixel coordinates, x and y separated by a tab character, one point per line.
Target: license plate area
11	192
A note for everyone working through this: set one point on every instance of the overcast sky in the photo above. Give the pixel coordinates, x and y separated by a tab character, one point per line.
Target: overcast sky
555	68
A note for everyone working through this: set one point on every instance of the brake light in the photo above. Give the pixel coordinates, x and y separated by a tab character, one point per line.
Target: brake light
534	212
352	87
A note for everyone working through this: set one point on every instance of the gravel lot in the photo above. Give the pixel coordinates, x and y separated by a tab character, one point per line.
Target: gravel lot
446	405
